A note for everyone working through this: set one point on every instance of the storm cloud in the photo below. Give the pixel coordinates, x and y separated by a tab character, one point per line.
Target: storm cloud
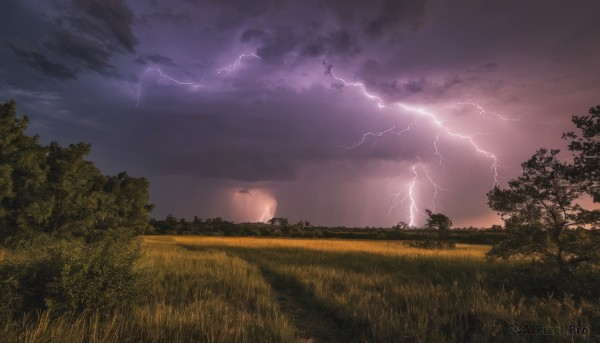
321	110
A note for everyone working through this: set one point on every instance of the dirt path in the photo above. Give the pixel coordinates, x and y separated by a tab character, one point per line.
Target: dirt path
313	320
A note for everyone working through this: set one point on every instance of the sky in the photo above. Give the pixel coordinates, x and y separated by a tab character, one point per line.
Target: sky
339	112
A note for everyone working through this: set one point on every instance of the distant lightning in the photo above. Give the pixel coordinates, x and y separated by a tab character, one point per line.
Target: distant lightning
437	151
228	69
468	138
485	113
419	111
407	195
360	85
436	188
266	215
378	134
411	187
413	204
164	76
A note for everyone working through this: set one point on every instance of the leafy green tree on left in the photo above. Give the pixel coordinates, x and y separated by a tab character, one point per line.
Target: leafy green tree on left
24	205
56	191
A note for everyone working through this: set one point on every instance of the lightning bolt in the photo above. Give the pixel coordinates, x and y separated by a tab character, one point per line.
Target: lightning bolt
410	188
233	66
485	114
468	138
360	85
436	188
407	195
164	76
413	204
378	134
400	199
419	112
437	151
267	214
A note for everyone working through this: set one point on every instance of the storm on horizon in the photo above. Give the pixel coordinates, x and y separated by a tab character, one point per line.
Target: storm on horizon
337	112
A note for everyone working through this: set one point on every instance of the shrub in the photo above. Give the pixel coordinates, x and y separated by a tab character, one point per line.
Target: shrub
71	278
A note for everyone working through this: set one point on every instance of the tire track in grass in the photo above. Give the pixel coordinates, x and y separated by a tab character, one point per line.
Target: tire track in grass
314	320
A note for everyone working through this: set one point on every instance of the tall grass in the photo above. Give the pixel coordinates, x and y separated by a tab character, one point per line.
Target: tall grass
207	289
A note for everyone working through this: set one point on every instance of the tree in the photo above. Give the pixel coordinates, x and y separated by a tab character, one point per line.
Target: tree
55	191
23	207
69	226
438	221
542	219
401	226
283	222
586	149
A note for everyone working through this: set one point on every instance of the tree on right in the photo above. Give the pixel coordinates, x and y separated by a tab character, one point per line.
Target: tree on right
545	224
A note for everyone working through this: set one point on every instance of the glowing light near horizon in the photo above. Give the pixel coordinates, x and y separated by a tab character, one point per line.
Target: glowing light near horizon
254	205
267	215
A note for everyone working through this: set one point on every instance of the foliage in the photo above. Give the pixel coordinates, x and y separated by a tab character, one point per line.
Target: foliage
438	221
54	191
69	228
586	149
71	278
544	222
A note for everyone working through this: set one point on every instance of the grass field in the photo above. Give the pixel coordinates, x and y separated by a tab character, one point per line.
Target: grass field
207	289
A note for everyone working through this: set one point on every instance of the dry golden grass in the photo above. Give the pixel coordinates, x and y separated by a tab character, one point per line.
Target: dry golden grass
211	289
393	248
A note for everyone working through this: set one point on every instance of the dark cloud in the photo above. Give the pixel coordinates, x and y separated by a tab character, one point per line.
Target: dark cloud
155	58
168	14
321	147
254	34
233	12
381	17
375	76
80	48
244	191
397	16
42	63
339	42
87	34
277	44
112	18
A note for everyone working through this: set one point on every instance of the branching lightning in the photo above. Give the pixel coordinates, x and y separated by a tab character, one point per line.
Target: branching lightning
436	188
378	134
408	196
485	114
228	69
437	151
266	215
419	112
468	138
164	76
